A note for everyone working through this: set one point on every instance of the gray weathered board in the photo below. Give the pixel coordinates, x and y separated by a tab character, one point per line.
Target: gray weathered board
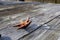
39	15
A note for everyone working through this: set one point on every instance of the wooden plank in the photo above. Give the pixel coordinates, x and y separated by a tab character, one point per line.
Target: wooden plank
53	32
38	16
45	31
41	34
17	9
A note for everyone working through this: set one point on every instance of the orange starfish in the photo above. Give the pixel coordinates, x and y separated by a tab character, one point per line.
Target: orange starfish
23	24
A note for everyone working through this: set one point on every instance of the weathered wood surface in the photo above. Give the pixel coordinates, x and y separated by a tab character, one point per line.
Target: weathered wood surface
40	15
49	31
9	10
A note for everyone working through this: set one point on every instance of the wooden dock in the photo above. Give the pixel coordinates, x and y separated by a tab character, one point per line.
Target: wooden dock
45	24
